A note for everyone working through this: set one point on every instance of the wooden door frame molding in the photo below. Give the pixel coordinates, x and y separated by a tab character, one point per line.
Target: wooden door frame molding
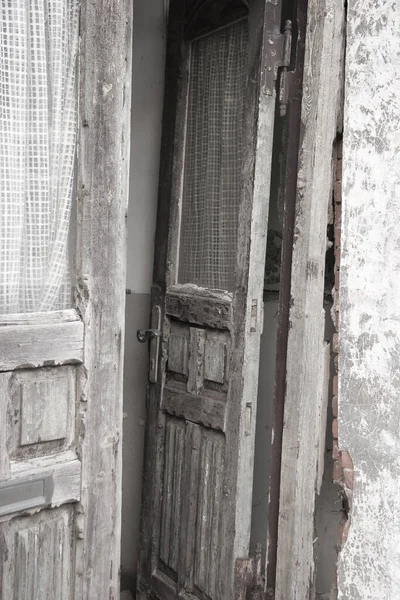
105	73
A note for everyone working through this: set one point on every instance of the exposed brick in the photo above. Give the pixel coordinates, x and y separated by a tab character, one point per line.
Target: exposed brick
338	216
335	386
337	472
337	280
337	194
335	428
335	343
330	214
347	462
336	455
337	236
339	169
336	363
335	407
348	477
339	149
337	255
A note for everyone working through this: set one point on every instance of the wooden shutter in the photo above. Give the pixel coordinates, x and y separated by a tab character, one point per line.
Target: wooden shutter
61	372
204	369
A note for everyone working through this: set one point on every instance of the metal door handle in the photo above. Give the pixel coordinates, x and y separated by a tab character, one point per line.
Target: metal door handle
153	336
144	335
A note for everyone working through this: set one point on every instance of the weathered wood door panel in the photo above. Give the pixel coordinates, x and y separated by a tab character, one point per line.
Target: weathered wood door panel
208	285
61	371
41	469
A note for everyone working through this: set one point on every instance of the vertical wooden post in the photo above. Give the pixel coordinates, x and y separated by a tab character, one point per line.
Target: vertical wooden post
103	179
305	372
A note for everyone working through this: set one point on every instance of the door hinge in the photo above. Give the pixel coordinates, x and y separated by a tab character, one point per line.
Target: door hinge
248	574
277	48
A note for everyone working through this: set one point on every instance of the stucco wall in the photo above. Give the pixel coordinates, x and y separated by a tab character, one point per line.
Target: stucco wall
369	342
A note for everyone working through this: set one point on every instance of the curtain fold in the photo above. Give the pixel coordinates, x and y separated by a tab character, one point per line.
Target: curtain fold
38	121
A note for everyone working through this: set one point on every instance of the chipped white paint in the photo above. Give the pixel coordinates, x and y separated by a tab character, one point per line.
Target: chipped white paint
369	380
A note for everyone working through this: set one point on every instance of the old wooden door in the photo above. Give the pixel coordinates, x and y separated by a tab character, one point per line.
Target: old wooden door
61	370
207	301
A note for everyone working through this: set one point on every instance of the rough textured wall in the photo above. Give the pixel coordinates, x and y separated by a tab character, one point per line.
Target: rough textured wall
369	369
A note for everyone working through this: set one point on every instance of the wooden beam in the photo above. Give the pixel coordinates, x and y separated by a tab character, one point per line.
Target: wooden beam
103	181
45	343
305	354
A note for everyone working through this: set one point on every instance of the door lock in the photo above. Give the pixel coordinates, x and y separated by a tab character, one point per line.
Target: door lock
144	335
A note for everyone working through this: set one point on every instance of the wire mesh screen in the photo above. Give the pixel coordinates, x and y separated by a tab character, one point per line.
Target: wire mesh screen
38	48
213	158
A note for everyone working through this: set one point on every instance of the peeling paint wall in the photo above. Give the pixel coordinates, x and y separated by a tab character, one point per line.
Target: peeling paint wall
369	342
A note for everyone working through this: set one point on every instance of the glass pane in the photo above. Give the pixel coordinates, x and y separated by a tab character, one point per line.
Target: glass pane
38	49
213	158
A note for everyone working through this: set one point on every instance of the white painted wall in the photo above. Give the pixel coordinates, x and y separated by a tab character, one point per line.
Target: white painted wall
369	367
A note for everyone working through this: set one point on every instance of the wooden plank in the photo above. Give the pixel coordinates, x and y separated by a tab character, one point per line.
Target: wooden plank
288	135
65	471
215	356
305	374
172	493
199	306
43	318
178	353
105	75
36	344
4	406
197	340
205	409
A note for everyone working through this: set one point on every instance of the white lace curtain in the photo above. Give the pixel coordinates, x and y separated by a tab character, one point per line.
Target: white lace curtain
38	50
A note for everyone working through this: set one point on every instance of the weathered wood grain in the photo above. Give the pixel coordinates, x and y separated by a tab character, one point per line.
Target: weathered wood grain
4	414
321	416
43	318
215	356
197	341
305	353
34	344
207	539
227	400
47	405
65	471
41	410
103	180
205	409
178	354
37	555
172	496
200	572
195	306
